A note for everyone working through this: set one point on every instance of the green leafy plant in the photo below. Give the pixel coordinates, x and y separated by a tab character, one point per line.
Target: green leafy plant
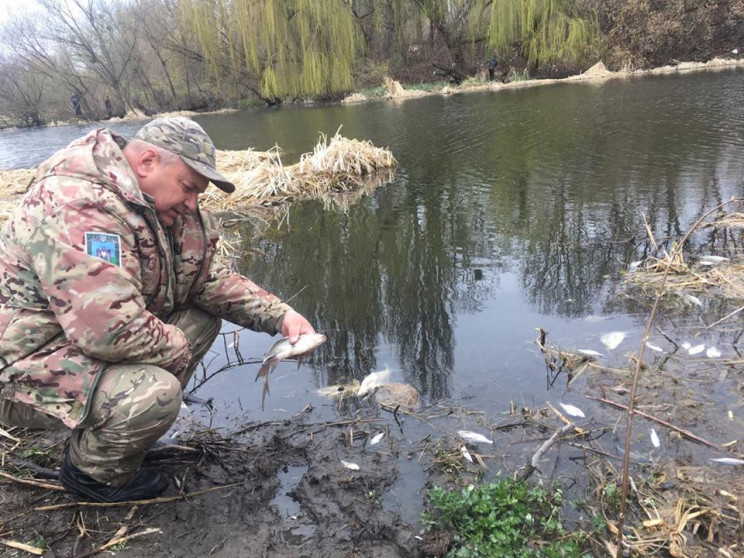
502	519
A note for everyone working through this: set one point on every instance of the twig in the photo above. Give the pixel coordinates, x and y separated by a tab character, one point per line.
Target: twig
20	546
725	318
115	541
32	483
531	467
685	433
133	502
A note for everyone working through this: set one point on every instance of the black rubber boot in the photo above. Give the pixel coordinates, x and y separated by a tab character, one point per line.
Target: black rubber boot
144	485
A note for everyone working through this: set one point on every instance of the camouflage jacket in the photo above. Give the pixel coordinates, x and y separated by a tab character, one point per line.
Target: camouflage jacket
89	276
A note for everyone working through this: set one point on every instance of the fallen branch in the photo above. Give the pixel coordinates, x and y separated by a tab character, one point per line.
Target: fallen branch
685	433
531	467
133	502
20	546
32	483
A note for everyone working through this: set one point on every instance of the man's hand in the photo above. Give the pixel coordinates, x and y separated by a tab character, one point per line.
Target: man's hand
294	324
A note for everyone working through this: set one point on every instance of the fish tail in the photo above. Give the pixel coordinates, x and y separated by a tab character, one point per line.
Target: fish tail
263	371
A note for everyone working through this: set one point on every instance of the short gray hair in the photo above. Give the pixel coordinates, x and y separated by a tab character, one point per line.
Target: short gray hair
166	157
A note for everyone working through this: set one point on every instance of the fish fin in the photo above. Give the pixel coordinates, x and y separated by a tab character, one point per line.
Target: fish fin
264	370
268	369
299	361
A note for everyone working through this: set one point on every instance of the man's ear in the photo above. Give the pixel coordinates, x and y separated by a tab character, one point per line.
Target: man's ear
145	162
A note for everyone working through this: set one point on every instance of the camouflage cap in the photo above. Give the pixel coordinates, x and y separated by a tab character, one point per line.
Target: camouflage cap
184	137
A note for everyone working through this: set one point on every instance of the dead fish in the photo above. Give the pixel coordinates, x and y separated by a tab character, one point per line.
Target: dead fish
729	461
654	348
373	380
691	299
696	349
351	466
473	437
712	260
573	410
466	454
712	352
376	438
283	349
589	352
613	339
655	439
634	266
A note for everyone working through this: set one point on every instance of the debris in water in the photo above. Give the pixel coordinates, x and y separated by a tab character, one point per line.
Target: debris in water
712	352
573	410
730	415
589	352
729	461
613	339
376	438
473	437
350	465
372	381
466	454
696	349
655	438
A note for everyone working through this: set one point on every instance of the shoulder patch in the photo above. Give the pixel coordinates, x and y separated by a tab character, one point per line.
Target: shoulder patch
104	246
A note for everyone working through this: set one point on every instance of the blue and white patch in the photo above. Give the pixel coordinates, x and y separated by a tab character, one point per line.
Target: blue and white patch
104	246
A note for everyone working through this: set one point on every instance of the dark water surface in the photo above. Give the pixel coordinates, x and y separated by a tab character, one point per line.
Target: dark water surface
510	211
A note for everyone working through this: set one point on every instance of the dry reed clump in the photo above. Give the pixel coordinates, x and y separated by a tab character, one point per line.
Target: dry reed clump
721	275
336	166
338	172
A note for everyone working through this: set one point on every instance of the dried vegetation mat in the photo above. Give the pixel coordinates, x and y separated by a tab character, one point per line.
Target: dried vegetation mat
667	476
339	171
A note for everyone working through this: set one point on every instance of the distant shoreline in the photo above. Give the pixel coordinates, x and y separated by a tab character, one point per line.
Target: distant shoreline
395	91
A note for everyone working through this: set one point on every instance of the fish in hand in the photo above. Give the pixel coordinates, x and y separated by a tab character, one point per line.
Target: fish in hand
283	349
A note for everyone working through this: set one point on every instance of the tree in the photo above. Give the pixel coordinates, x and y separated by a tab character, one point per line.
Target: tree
543	31
285	47
21	91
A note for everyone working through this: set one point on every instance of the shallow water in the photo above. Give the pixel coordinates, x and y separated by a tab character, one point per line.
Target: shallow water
510	211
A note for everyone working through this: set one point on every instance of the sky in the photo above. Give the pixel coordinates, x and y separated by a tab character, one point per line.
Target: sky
16	6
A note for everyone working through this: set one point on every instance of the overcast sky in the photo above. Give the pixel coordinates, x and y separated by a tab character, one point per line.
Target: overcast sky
16	6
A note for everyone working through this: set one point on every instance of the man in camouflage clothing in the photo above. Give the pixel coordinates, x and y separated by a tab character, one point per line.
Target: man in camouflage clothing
110	296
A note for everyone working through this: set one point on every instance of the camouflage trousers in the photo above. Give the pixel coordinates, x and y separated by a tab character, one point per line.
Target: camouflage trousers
131	407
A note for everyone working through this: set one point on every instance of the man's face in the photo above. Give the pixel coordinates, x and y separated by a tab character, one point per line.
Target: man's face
175	187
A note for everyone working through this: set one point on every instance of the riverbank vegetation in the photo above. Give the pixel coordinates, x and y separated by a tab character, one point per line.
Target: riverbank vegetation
153	56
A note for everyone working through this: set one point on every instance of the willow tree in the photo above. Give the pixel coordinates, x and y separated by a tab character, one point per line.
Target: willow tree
544	31
286	47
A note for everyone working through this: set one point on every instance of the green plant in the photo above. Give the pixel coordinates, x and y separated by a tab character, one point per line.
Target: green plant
502	519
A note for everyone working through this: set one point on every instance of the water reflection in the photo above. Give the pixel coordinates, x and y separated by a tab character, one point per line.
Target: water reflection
509	211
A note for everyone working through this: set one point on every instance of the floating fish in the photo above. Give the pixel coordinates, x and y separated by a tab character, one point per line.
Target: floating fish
712	260
696	349
729	461
692	299
466	454
376	438
589	352
573	410
594	319
686	345
712	352
283	349
351	466
473	437
634	265
372	381
655	438
613	339
654	348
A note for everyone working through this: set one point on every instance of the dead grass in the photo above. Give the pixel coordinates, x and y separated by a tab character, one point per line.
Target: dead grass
338	171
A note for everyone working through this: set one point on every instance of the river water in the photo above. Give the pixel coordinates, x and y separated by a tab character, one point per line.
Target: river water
510	210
